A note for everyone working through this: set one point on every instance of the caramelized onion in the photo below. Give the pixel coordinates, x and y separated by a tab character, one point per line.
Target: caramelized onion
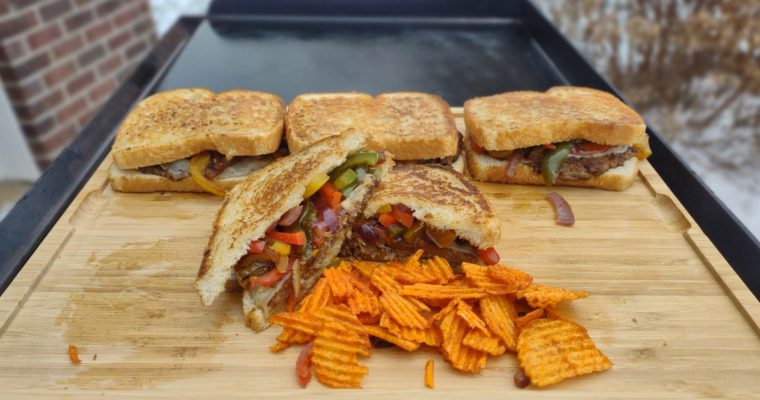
514	161
564	212
291	216
441	237
368	235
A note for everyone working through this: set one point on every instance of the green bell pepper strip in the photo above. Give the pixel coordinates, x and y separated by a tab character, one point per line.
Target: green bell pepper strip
354	160
414	232
553	160
396	229
346	178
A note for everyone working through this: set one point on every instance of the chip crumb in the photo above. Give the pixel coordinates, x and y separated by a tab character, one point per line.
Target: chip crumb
429	374
634	320
73	354
664	344
94	356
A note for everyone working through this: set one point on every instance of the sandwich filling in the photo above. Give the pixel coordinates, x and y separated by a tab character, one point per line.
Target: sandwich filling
573	160
394	234
448	160
292	244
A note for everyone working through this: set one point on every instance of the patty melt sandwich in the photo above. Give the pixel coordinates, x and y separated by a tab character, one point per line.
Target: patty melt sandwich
414	127
190	140
566	136
277	230
428	207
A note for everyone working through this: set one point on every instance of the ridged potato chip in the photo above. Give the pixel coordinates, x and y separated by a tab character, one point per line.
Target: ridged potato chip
538	296
554	315
477	340
429	374
342	315
497	315
463	358
382	333
550	351
430	335
529	317
305	322
365	267
320	297
418	304
333	357
383	278
464	310
363	299
426	291
339	282
445	310
402	311
516	279
440	268
279	346
480	276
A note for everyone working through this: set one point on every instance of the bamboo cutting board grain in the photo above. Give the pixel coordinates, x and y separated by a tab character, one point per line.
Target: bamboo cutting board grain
115	278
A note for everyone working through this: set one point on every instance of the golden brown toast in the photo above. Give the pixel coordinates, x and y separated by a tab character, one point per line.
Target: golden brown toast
523	119
412	126
440	197
180	123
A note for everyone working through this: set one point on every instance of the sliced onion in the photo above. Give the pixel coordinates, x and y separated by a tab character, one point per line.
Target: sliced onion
296	276
368	235
328	216
514	161
318	203
282	265
564	212
271	227
291	216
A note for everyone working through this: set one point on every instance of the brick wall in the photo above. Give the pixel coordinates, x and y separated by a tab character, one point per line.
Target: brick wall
60	60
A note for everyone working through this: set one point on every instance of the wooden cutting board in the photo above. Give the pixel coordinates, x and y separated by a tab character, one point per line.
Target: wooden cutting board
115	278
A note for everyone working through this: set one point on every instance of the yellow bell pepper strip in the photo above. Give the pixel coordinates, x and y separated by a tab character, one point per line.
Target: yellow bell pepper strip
644	150
315	183
198	164
280	247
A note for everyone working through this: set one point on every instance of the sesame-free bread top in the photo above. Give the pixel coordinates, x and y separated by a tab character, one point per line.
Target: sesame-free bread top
180	123
523	119
440	197
253	205
412	126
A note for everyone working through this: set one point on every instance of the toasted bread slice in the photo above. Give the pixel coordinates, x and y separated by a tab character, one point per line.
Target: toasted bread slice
134	181
253	205
488	169
412	126
180	123
523	119
442	198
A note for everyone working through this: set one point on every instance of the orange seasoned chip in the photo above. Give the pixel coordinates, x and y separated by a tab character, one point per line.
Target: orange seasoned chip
279	346
346	267
463	358
368	319
529	317
413	261
305	322
342	315
383	278
477	340
554	315
441	269
365	267
430	335
479	276
363	299
333	357
516	279
446	310
538	296
338	281
497	311
464	310
320	296
380	332
427	291
550	351
418	304
429	374
402	310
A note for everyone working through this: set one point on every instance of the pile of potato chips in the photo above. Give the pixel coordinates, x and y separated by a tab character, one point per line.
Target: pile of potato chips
466	317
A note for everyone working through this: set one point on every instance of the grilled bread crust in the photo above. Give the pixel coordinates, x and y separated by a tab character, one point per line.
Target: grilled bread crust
134	181
523	119
412	126
488	169
259	201
179	123
440	197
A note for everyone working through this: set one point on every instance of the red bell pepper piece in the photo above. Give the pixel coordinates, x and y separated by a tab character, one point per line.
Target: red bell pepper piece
270	278
320	233
292	300
297	238
404	215
388	219
330	195
256	247
303	365
550	146
477	148
489	256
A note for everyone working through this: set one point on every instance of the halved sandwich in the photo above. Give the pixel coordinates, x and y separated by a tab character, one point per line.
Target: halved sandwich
428	207
190	140
566	136
277	230
414	127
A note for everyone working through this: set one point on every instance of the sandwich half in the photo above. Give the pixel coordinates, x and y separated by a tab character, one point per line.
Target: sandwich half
566	136
277	230
428	207
414	127
191	140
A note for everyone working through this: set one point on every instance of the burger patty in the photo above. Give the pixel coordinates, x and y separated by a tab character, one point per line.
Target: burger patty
583	168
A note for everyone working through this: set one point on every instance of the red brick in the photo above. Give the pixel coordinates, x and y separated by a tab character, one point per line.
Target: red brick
90	56
119	40
11	51
108	7
55	9
143	26
44	36
102	90
144	8
98	31
40	107
55	141
85	118
83	2
37	129
68	46
23	93
21	4
60	73
71	110
109	65
80	82
16	25
125	73
126	17
136	49
20	71
78	20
